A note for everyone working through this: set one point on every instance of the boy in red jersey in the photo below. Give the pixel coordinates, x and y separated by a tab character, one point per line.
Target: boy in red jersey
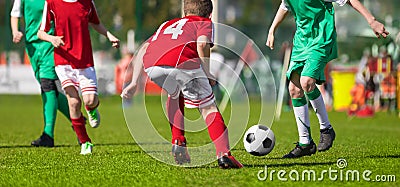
176	58
73	58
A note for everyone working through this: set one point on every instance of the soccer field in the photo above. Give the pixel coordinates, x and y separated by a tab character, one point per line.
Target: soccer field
370	147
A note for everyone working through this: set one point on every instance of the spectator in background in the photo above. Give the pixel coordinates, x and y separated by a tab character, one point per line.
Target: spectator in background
123	73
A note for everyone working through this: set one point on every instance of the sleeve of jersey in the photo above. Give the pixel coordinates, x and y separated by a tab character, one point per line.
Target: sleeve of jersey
284	6
339	2
206	28
93	17
16	10
45	25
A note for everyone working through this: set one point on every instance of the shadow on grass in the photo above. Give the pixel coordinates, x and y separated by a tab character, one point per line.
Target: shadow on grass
290	164
383	156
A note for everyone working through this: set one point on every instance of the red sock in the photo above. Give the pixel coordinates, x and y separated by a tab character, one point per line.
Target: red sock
218	132
176	111
92	108
80	129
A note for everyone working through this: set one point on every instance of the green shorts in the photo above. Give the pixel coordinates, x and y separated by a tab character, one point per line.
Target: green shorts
308	68
42	60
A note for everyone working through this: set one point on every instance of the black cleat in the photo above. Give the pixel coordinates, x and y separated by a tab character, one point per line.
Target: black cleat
300	151
44	141
228	162
326	139
180	152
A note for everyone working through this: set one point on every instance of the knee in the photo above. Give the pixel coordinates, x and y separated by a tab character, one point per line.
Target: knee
205	111
295	92
307	84
48	85
74	103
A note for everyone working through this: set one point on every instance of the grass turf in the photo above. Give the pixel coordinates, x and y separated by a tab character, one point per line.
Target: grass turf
366	144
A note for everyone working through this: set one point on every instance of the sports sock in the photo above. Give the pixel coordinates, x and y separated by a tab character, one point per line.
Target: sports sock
317	102
63	105
300	109
218	132
80	129
50	106
176	111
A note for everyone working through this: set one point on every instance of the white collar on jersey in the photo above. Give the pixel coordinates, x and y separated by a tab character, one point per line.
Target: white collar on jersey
70	1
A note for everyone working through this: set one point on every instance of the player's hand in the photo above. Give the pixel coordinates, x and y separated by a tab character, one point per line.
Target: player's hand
212	80
57	41
17	36
379	29
270	40
129	91
114	40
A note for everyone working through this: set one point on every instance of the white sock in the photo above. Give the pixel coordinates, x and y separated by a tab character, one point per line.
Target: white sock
319	109
303	124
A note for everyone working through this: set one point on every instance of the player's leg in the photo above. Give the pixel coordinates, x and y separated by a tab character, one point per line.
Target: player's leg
49	107
176	112
312	71
219	135
77	119
88	85
69	81
306	145
198	94
165	78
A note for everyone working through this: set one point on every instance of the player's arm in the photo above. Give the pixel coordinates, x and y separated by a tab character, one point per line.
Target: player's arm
279	17
376	26
102	30
45	27
55	40
204	50
130	90
15	15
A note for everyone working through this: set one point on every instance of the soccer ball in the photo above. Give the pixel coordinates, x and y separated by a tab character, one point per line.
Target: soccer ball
259	140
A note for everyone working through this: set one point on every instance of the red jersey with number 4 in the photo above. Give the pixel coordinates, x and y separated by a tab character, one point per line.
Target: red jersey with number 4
71	20
174	44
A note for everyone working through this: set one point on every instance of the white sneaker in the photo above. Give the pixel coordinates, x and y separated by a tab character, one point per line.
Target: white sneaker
86	148
94	118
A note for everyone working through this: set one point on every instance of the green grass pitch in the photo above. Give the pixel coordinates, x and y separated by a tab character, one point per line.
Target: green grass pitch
366	144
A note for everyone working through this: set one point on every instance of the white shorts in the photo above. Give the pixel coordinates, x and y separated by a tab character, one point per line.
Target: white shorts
192	83
82	79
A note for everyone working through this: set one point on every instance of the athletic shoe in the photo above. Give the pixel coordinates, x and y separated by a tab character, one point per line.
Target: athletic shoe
94	118
228	161
86	148
44	141
300	151
180	152
326	139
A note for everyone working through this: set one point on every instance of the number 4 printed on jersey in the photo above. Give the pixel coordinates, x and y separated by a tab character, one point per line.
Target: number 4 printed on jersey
175	29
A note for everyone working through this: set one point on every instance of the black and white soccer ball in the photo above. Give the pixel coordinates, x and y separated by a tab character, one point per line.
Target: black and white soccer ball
259	140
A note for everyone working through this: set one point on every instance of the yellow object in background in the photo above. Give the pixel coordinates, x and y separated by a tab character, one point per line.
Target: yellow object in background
342	83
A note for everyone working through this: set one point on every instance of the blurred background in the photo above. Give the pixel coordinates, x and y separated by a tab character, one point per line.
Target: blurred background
133	21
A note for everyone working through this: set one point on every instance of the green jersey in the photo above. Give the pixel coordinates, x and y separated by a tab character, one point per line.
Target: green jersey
32	11
315	35
40	52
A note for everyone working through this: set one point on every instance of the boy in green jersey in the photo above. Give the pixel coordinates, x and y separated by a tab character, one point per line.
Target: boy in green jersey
42	60
314	45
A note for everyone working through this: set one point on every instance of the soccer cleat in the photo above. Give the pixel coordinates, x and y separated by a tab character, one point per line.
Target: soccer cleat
227	161
326	139
94	118
180	152
44	141
86	148
300	151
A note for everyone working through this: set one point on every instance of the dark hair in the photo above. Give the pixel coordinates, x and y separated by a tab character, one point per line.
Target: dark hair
201	8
